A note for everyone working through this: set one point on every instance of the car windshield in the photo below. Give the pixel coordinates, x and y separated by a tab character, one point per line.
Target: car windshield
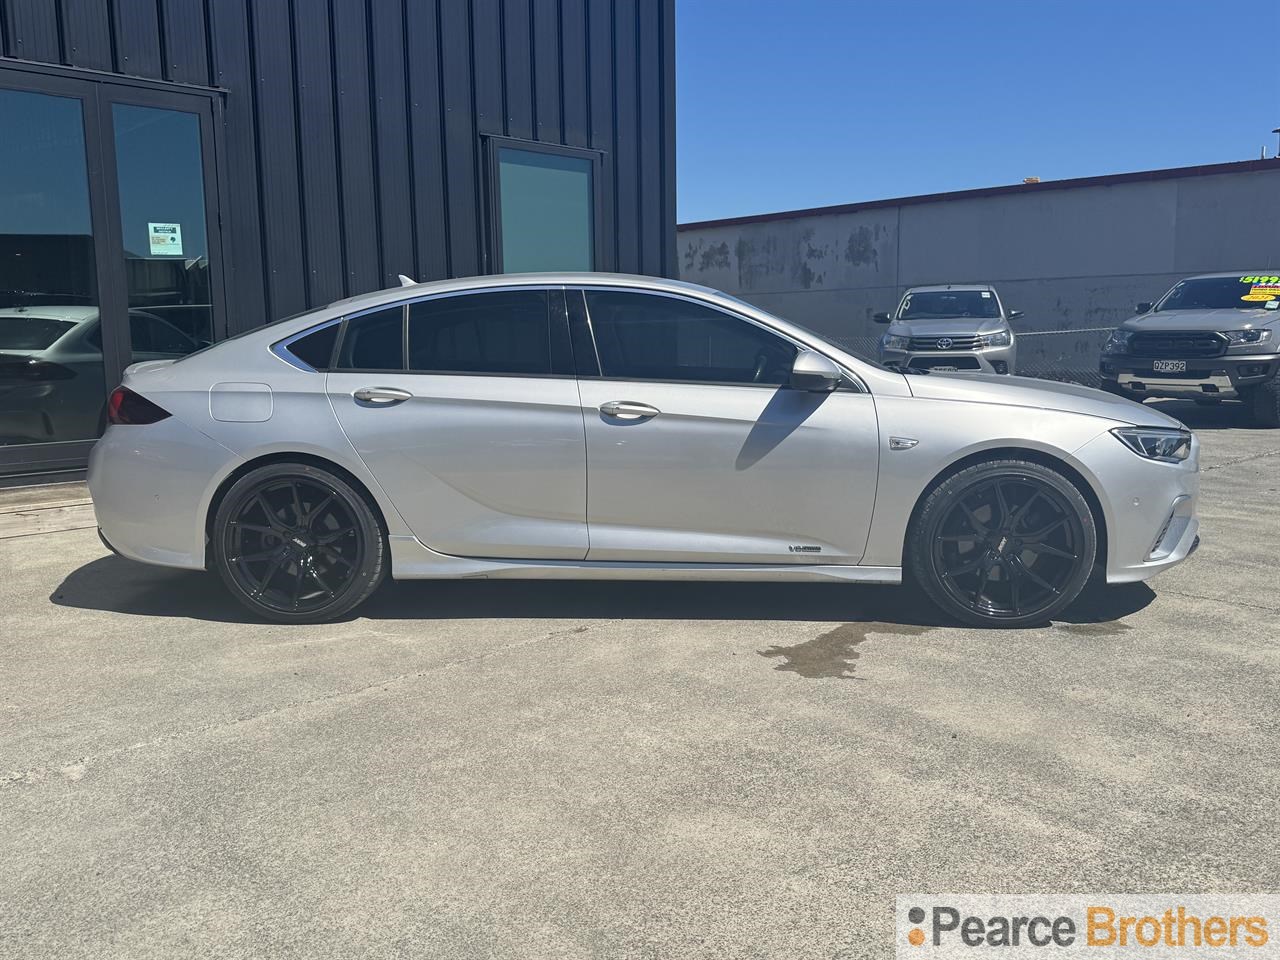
1247	292
946	304
20	331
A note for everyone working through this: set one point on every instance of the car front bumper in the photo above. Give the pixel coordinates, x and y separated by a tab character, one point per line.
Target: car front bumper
1149	507
1217	378
989	360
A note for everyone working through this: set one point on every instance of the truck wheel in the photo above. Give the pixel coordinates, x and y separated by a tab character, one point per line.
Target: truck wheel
1266	403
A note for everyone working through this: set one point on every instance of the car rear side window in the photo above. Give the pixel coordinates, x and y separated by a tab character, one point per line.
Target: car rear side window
373	341
316	349
641	336
507	332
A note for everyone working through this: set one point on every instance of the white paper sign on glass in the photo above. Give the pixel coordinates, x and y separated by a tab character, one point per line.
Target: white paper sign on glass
166	239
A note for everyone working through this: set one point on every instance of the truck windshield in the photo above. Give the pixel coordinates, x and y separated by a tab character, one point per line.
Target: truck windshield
944	304
1218	293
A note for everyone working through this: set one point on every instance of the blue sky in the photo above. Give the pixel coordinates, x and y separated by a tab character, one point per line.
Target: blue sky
784	104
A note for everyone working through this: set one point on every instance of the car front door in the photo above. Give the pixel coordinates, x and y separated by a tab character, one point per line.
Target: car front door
698	451
466	410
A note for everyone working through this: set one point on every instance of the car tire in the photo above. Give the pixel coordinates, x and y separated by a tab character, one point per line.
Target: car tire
296	543
1003	543
1266	403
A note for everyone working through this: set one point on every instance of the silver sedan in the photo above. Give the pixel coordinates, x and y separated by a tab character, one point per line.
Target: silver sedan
601	426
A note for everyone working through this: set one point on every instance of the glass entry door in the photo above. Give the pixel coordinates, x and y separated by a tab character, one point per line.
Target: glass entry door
106	256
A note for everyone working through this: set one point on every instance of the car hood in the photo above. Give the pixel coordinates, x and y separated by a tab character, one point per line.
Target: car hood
1220	319
1040	394
947	327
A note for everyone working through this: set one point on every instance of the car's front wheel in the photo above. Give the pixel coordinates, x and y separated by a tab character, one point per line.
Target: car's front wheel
1003	543
297	544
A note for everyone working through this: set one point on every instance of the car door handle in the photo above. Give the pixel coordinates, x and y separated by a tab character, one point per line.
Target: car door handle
382	396
628	410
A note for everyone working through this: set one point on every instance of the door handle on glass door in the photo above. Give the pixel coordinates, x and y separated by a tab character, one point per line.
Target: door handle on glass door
382	396
628	410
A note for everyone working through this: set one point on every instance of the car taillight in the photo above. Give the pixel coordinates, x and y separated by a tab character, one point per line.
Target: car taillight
126	407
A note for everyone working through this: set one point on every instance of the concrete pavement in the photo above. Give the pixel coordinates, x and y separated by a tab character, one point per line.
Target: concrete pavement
622	770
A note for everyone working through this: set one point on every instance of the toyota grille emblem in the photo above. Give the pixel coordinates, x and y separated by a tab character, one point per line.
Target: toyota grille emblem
944	343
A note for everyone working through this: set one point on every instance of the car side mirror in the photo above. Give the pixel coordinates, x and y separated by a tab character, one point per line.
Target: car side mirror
1144	306
881	317
814	372
1014	314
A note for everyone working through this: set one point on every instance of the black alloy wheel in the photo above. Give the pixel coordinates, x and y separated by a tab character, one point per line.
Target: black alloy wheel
297	544
1006	543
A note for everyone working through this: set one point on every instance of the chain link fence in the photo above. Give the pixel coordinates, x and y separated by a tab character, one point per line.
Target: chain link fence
1065	355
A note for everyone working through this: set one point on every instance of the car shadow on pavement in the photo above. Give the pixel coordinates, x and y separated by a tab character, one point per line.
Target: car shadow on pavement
115	585
1217	416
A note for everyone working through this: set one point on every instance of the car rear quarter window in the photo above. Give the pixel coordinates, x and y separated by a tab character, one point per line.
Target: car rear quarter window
641	336
316	349
373	341
501	333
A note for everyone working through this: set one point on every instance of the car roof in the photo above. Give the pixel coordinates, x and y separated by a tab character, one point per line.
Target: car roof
943	287
499	280
1271	272
75	314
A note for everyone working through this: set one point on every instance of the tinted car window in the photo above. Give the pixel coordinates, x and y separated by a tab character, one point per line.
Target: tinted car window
647	337
316	349
150	334
374	341
502	333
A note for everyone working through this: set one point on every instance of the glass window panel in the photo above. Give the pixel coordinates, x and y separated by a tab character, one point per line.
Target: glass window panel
374	341
645	337
504	333
52	385
547	204
160	168
316	349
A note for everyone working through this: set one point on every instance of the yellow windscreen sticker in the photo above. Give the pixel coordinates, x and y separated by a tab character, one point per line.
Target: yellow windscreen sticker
1261	289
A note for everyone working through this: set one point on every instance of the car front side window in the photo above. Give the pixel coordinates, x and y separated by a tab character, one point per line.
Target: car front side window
643	336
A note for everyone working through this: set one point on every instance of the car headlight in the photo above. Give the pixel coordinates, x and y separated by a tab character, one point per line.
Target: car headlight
1167	445
1247	336
1001	338
1118	342
891	341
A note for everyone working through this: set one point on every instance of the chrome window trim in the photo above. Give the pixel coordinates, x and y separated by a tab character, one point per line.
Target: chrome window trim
281	347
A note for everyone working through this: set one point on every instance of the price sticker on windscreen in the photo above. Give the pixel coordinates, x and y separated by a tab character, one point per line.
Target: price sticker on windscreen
1261	289
166	239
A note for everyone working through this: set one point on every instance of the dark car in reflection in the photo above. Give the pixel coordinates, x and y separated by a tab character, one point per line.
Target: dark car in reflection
52	385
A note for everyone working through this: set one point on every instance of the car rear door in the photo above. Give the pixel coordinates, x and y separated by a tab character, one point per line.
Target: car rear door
698	452
465	408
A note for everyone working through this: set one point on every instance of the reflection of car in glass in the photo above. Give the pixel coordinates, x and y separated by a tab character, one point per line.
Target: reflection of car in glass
454	429
955	328
51	376
1210	338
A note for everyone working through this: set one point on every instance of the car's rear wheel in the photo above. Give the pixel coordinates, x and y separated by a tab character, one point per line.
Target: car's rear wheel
297	544
1003	543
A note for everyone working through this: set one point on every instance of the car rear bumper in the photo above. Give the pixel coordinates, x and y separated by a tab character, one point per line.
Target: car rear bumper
1219	378
150	485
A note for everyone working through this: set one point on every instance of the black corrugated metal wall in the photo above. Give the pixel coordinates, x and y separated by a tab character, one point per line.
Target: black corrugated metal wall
352	146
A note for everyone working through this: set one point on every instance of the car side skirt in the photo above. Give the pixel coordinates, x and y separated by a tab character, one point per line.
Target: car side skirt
412	560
